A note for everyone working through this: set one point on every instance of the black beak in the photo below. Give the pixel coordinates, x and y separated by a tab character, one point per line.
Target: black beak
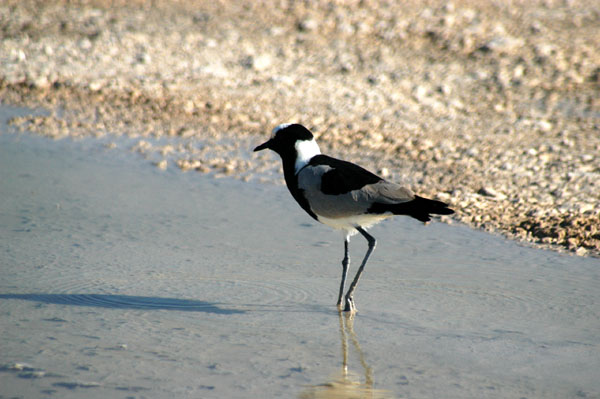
263	146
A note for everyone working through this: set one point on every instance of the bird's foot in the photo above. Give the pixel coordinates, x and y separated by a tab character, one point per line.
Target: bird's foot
350	306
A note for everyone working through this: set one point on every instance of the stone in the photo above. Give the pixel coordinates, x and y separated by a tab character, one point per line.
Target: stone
490	192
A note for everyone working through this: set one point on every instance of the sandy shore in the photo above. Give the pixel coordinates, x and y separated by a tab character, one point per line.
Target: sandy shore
492	107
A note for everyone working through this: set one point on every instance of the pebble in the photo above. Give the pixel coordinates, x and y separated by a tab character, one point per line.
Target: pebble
95	86
161	164
262	62
308	25
504	44
490	192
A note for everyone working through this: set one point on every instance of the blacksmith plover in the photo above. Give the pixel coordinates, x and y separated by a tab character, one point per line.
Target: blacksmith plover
342	195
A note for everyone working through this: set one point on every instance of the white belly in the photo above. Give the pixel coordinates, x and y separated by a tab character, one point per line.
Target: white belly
349	223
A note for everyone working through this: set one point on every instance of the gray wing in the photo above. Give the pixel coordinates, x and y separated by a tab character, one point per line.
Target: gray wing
355	202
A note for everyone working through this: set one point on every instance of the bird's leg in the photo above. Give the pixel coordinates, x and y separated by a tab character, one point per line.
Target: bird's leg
345	263
350	307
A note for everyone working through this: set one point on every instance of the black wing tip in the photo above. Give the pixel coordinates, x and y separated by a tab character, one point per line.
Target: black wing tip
442	211
419	208
434	206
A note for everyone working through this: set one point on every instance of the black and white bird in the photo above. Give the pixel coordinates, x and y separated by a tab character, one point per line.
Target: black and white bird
343	195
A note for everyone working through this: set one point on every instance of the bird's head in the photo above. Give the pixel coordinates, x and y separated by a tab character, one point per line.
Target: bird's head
292	141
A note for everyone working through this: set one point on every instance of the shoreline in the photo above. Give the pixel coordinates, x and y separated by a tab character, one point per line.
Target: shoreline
123	279
491	108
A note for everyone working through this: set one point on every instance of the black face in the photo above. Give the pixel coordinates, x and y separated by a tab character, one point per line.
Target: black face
285	138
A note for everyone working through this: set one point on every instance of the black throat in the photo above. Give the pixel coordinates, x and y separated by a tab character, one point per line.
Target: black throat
291	180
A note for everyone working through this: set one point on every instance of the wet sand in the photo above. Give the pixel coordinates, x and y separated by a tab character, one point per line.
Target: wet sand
118	279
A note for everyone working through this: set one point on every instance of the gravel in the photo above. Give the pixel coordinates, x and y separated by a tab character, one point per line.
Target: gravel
494	107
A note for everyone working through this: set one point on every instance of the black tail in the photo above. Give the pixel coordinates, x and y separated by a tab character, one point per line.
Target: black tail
419	208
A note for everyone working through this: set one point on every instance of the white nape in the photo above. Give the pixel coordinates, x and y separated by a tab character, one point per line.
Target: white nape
279	127
305	149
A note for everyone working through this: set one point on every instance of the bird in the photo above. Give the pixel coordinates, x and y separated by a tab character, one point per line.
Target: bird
343	195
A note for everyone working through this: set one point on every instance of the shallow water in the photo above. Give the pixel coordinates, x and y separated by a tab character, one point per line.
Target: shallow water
118	279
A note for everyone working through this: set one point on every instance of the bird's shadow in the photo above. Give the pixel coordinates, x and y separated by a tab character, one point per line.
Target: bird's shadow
111	301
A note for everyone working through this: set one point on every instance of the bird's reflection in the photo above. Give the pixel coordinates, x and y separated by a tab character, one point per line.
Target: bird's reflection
347	384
